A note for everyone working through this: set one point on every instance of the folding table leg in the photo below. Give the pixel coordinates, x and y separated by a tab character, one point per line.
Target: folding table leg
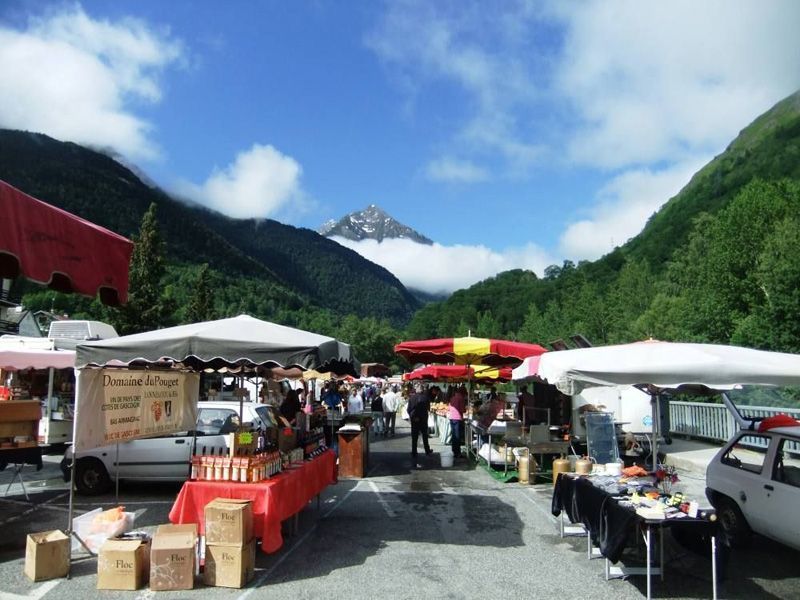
18	475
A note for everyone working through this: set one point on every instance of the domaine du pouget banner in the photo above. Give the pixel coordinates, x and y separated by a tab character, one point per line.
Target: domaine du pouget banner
118	405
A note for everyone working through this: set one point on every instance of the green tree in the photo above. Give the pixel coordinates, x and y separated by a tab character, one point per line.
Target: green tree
628	299
774	323
147	308
201	301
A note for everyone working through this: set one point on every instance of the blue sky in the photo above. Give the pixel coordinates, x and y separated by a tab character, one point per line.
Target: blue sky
514	134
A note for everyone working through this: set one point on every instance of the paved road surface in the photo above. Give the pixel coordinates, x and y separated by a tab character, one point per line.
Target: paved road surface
402	533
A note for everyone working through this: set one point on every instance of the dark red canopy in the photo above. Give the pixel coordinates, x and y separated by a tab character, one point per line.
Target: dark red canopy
51	246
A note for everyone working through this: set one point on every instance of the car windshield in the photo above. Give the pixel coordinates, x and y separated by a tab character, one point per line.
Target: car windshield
752	395
266	416
215	421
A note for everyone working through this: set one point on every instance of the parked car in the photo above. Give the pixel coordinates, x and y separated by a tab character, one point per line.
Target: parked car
163	458
754	484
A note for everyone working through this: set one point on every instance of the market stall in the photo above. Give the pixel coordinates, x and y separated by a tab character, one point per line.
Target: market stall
27	380
32	369
478	354
116	376
658	368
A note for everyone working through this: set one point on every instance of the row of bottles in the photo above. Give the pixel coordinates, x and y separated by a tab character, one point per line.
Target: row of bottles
246	466
313	443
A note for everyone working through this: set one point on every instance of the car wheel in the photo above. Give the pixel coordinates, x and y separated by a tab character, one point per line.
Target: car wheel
733	524
91	477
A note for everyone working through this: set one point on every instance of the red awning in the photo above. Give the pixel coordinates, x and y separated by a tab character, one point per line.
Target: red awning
51	246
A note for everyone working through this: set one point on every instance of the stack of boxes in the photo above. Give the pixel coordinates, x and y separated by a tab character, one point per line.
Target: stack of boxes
230	547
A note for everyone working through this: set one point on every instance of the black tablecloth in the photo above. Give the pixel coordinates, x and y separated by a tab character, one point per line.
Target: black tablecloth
609	524
19	456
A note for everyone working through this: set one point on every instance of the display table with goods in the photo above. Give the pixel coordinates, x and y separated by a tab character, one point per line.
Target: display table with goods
499	460
19	424
616	509
274	499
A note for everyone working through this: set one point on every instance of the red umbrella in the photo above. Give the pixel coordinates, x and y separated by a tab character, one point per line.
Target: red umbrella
440	373
69	254
454	373
468	351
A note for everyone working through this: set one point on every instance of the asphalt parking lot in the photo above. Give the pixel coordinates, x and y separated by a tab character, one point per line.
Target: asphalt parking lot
399	533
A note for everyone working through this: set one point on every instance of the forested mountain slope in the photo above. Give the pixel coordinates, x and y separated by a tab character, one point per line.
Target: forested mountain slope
719	262
263	267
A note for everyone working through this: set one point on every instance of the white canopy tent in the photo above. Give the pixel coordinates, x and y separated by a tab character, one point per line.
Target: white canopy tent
239	345
658	366
19	360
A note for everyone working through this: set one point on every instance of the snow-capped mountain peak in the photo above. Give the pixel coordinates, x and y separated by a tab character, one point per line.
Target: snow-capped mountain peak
371	223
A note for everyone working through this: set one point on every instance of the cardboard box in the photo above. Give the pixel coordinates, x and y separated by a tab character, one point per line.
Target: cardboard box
123	564
230	566
229	522
173	557
47	555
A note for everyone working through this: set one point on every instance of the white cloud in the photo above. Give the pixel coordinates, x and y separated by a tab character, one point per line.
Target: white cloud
444	269
77	78
653	82
453	170
259	183
623	206
481	52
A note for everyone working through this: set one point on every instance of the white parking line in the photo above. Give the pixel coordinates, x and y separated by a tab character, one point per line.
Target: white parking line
383	501
547	513
264	576
34	594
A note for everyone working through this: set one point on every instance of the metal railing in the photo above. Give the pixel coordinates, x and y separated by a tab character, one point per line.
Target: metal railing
713	422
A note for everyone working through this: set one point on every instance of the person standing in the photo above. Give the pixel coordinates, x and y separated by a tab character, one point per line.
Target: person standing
525	407
290	406
455	412
376	406
391	402
355	405
331	397
419	405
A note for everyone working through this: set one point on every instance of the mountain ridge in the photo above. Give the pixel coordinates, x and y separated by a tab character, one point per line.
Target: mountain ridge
372	223
292	267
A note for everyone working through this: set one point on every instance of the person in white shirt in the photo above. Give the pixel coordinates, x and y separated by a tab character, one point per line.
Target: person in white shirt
355	405
391	402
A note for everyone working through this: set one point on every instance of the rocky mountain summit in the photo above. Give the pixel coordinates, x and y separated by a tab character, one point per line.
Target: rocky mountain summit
371	223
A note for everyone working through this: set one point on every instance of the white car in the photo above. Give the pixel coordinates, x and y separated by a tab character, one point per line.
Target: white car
163	458
754	483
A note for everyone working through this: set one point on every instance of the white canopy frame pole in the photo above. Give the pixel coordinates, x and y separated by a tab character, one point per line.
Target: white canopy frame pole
75	417
655	399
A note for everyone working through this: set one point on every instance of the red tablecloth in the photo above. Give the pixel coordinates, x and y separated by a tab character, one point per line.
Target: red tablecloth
274	500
